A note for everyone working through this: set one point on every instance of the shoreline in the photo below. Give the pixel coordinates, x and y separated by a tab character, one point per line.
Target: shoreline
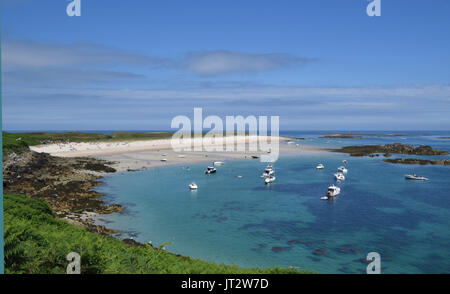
136	155
80	171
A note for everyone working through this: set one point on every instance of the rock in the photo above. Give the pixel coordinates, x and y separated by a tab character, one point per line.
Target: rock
133	243
417	161
396	148
62	182
279	249
320	251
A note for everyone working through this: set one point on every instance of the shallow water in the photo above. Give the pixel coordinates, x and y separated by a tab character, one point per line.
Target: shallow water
242	221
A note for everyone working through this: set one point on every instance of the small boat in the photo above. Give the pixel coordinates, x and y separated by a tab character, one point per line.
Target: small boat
218	163
210	170
339	176
332	191
268	172
181	156
415	177
164	159
320	166
342	169
291	142
269	180
344	161
240	177
255	156
193	186
164	154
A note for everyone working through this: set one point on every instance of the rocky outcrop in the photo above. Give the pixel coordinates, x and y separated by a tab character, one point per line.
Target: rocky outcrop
340	136
65	183
396	148
418	161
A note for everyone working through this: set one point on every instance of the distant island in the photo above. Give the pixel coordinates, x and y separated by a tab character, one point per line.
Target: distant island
417	161
359	136
396	148
341	136
362	135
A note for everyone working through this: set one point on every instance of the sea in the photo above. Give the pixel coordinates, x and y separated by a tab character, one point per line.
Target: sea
242	221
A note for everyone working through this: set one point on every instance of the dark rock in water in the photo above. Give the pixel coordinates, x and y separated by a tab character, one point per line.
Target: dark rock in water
320	251
260	247
417	161
222	219
303	242
396	148
279	249
387	154
348	248
291	242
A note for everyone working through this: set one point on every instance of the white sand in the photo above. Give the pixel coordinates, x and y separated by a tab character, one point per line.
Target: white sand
131	155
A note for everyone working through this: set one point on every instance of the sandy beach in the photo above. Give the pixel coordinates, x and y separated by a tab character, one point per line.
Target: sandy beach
133	155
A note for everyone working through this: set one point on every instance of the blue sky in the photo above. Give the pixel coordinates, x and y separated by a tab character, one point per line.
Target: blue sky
137	64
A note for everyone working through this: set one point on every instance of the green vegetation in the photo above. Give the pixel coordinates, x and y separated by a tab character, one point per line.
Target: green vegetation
37	242
19	142
12	144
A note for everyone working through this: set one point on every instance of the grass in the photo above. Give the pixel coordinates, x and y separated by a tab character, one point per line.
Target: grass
37	242
19	142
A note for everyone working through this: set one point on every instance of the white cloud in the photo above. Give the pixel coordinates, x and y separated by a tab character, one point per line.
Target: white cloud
30	54
221	62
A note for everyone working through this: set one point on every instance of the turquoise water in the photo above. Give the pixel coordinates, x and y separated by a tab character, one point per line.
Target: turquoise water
241	221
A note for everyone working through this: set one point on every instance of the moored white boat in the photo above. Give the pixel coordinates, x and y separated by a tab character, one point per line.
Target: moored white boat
339	176
216	163
320	166
342	169
193	186
269	180
416	177
210	170
268	173
332	191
